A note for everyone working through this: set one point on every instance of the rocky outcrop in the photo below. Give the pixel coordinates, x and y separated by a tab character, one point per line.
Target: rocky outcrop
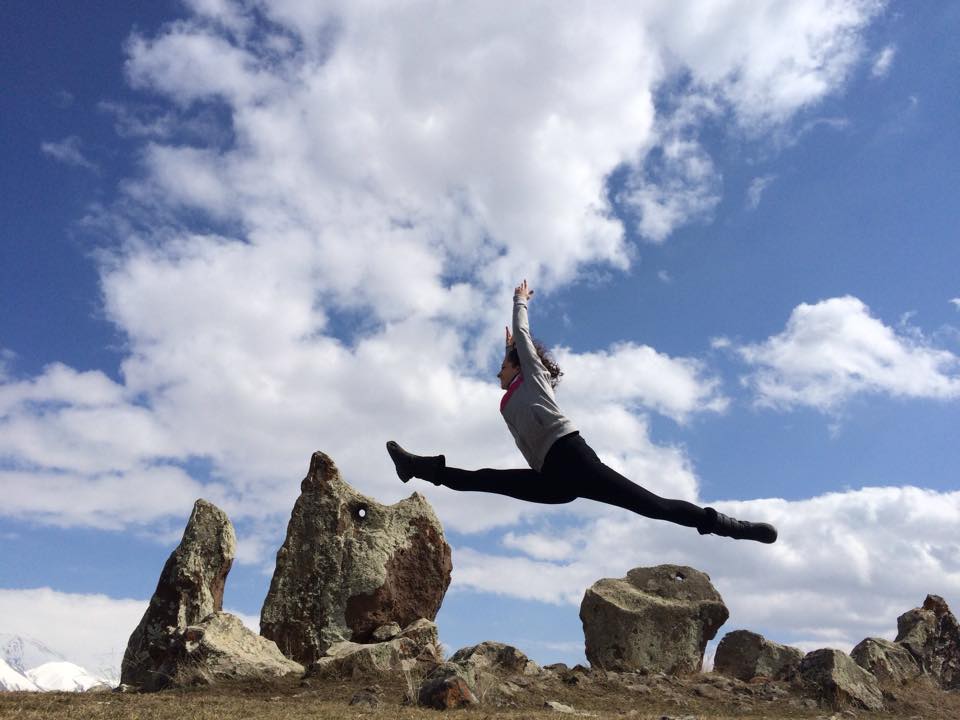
839	682
416	645
932	636
745	655
190	588
889	662
350	565
222	648
657	619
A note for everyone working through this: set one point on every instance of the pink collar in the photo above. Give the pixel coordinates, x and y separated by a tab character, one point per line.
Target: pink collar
511	388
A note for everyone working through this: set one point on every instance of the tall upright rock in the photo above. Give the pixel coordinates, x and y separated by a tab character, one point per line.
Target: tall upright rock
349	565
190	588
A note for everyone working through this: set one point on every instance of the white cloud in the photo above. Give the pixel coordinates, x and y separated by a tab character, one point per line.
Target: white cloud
757	187
676	185
956	303
388	172
834	349
638	374
767	65
883	61
90	630
844	567
69	152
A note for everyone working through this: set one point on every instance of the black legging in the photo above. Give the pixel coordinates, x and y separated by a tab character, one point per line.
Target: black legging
572	470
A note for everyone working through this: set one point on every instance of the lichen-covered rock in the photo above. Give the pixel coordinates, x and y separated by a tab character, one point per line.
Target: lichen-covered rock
190	588
657	619
350	565
222	648
932	636
839	682
353	661
416	645
889	662
745	655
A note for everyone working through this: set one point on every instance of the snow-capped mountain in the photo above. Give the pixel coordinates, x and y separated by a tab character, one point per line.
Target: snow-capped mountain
23	653
10	679
28	664
63	676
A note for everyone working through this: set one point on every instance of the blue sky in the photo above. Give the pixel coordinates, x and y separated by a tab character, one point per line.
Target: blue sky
235	233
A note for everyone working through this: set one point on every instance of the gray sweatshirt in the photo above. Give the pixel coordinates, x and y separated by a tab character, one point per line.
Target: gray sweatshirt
529	408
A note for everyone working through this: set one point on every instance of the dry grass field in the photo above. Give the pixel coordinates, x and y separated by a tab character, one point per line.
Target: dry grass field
289	700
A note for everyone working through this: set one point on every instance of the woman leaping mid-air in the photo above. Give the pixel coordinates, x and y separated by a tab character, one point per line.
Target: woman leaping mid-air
563	466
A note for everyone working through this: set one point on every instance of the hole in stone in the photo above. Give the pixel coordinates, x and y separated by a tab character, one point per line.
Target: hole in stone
680	577
362	513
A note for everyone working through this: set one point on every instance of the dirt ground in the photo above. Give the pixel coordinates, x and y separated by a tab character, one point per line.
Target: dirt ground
605	698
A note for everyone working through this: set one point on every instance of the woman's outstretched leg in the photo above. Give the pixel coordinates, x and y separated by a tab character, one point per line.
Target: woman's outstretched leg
526	485
577	468
586	475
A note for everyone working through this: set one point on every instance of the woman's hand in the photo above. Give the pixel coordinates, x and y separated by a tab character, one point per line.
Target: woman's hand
522	291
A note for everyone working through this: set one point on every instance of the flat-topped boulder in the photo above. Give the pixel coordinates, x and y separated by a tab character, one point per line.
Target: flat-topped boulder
656	619
350	566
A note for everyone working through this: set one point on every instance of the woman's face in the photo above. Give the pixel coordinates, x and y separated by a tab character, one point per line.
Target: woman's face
508	371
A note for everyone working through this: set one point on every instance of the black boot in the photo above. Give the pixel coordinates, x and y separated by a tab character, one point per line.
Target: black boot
725	526
409	465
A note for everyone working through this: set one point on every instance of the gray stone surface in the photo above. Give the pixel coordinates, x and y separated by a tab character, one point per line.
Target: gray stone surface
932	636
496	657
222	648
350	565
656	619
839	682
889	662
413	649
190	588
745	655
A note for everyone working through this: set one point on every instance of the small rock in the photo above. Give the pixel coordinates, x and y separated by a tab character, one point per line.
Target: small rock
369	697
559	707
709	691
446	693
386	632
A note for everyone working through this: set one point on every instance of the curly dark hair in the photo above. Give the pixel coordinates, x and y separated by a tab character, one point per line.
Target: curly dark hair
545	357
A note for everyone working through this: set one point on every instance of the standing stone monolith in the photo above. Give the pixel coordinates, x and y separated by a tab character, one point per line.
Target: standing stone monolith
656	619
350	565
190	588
